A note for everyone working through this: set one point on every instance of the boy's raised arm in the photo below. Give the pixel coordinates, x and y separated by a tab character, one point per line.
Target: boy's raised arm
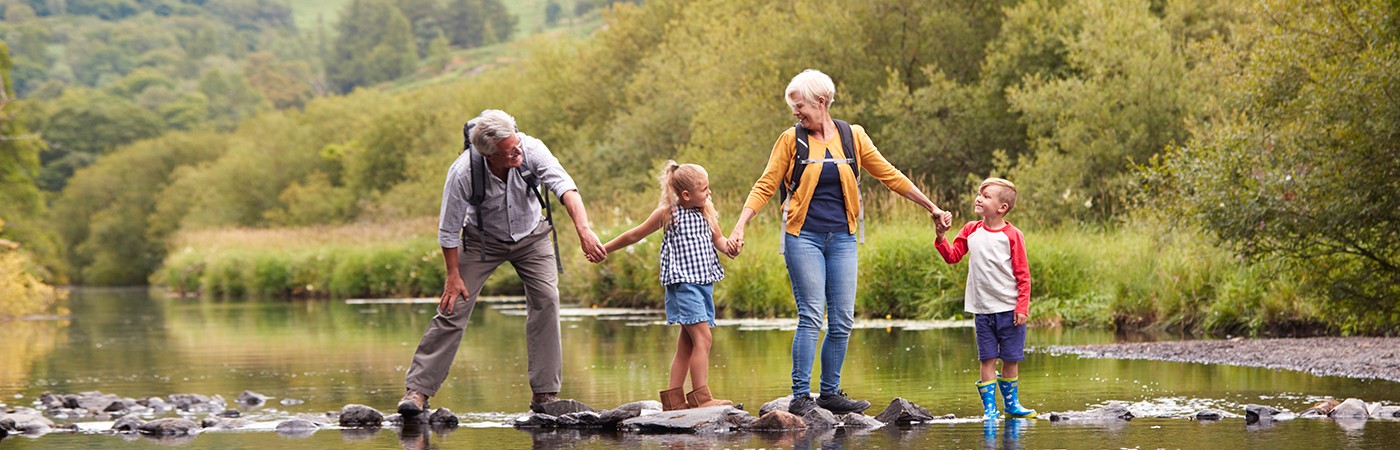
953	252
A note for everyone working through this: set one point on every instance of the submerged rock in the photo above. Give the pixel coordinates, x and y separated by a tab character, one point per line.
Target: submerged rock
297	427
250	398
170	426
441	417
1255	413
353	415
1113	412
1350	409
903	412
128	424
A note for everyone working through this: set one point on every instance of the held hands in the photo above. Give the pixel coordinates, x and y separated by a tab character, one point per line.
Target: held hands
592	247
736	242
942	220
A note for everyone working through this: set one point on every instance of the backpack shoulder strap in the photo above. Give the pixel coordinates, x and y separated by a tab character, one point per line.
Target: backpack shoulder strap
478	194
848	144
803	151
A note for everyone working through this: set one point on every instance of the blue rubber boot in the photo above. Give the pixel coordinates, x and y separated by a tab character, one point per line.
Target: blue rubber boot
1011	396
988	391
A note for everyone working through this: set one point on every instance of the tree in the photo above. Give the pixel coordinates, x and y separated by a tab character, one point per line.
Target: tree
374	44
21	203
287	84
83	124
1298	160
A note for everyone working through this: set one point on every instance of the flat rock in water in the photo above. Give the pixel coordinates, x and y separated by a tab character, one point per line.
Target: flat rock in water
27	423
562	407
611	417
1321	409
297	427
1385	412
353	415
537	420
903	411
820	419
1255	413
1113	412
777	420
224	423
169	426
1352	408
694	420
1210	414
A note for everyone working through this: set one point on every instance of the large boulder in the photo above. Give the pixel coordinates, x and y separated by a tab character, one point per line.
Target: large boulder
694	420
1352	408
353	415
170	426
903	412
1113	412
777	420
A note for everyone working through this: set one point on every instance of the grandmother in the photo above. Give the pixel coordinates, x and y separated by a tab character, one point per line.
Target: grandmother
814	166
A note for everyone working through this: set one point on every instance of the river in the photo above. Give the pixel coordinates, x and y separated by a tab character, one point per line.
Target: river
317	356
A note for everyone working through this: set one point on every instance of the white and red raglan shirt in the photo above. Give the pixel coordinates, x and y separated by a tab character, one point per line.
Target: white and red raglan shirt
998	276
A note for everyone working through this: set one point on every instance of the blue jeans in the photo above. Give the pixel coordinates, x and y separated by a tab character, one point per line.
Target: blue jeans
822	268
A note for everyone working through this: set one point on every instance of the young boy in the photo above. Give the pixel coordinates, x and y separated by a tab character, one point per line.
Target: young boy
998	292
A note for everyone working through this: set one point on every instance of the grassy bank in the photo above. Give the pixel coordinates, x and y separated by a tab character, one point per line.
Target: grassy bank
1128	277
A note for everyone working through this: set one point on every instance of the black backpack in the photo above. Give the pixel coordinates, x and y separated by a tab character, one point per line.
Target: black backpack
478	195
802	159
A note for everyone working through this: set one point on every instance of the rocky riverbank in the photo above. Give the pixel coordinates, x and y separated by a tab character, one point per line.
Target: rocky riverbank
1355	357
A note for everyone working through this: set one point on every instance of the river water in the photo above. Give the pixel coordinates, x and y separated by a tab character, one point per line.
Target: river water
317	356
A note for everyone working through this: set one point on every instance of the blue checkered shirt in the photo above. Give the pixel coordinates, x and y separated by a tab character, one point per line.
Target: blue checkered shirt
688	250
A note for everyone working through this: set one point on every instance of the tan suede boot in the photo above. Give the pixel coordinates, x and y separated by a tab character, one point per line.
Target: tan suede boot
700	398
673	399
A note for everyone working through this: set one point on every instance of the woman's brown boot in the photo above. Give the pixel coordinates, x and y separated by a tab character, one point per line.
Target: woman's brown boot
700	398
673	399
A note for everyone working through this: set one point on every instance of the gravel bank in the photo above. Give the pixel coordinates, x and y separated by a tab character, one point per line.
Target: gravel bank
1355	357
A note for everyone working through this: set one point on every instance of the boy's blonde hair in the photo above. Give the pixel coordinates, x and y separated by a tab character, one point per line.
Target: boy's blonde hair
676	178
1007	195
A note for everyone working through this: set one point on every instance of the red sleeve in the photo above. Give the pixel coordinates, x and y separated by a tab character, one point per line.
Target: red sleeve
953	251
1021	269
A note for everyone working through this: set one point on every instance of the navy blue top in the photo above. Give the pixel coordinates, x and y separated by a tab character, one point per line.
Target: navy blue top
826	213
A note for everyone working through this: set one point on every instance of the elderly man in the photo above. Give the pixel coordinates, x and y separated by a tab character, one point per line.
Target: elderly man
502	223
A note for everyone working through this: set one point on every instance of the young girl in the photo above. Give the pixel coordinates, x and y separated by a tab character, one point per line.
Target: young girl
689	269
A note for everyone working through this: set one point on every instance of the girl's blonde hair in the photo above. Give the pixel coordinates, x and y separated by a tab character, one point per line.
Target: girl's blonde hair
677	178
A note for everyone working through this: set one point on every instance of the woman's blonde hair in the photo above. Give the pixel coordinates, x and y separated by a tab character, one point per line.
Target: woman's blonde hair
676	178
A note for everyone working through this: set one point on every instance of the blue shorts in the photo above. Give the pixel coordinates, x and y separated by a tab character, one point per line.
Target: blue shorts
999	337
688	303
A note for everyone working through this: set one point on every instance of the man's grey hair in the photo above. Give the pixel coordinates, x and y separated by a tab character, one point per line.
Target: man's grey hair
491	127
809	85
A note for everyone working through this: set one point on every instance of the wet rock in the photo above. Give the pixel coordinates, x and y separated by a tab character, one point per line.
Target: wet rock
157	404
1255	413
1385	412
250	398
777	420
1321	409
442	417
820	419
903	412
611	417
566	406
318	419
50	401
535	421
3	434
169	426
394	419
694	420
1352	408
128	424
777	404
739	419
1210	414
360	416
217	423
230	413
860	421
1113	412
26	423
297	428
582	419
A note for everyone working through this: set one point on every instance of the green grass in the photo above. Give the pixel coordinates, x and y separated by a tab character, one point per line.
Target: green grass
1131	277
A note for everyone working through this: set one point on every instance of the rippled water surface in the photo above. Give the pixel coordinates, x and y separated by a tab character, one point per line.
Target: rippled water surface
317	356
